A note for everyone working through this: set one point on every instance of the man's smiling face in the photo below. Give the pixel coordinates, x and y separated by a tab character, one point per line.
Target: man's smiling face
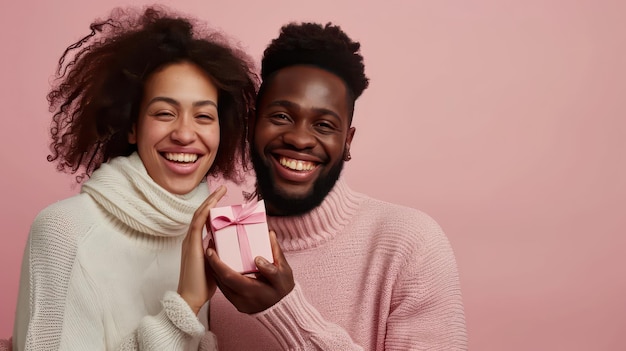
301	135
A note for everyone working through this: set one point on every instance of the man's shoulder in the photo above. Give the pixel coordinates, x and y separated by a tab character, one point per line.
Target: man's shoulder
403	225
387	212
402	230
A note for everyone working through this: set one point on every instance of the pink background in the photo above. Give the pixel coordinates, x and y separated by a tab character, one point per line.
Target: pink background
504	120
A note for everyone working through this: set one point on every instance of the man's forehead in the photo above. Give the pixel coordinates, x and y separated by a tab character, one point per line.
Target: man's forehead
305	82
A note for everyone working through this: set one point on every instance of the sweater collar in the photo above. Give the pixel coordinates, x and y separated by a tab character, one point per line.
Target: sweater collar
124	189
320	224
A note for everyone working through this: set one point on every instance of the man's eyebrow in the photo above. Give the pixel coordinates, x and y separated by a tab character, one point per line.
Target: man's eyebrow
318	110
175	102
284	103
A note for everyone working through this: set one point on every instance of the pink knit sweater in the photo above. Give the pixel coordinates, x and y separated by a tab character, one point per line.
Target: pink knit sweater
370	275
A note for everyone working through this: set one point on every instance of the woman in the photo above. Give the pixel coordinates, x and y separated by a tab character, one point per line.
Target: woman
148	105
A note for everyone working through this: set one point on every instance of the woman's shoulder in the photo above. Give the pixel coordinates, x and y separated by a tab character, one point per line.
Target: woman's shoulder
65	218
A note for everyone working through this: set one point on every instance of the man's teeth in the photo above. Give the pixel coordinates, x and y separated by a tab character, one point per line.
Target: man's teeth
181	157
296	165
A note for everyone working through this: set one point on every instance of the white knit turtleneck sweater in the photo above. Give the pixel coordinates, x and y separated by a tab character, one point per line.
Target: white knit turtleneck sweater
100	269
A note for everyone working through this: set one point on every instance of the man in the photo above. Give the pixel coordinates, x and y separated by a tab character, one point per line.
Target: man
354	273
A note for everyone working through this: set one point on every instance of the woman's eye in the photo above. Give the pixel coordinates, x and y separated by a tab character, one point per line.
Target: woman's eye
205	116
164	114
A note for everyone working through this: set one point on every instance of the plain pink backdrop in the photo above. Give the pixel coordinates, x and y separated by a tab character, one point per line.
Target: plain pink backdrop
504	120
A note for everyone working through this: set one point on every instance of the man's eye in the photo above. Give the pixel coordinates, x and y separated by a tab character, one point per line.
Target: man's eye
280	116
326	127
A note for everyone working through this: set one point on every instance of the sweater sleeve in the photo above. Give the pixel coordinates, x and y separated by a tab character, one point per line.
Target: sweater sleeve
426	311
5	344
45	275
297	325
174	328
59	306
425	306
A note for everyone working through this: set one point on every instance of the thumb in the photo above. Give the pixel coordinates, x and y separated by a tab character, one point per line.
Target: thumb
266	268
279	273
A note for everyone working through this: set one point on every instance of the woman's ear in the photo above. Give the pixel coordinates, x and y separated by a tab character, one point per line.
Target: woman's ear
132	135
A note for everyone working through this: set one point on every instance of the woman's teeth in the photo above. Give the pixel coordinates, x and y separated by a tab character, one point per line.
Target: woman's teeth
181	157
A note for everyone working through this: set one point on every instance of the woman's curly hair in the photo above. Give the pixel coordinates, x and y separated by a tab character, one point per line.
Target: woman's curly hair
327	47
100	82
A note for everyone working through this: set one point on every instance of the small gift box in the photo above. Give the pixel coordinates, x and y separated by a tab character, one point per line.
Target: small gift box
240	234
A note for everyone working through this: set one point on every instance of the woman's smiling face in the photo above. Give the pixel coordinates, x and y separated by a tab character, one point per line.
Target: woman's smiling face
177	132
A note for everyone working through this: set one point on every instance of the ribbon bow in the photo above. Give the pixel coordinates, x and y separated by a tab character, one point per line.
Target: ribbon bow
242	215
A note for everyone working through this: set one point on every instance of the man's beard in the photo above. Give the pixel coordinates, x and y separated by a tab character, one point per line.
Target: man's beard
282	204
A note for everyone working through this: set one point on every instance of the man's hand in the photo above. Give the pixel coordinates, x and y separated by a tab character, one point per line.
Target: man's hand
252	295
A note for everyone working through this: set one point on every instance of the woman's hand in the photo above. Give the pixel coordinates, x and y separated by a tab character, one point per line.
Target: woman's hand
252	295
194	285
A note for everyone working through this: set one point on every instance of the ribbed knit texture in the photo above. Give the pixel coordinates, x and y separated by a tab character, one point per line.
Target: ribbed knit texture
370	275
5	344
100	268
147	208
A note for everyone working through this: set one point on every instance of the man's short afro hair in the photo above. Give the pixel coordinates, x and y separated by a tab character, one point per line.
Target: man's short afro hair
327	47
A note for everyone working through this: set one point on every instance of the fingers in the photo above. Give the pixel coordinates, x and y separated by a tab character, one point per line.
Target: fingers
252	295
279	273
193	285
277	252
233	285
248	295
266	268
224	275
217	195
193	240
202	213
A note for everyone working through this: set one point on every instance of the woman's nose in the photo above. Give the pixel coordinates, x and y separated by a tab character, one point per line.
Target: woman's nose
183	131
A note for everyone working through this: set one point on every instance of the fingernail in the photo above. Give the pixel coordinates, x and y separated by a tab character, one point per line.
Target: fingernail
209	252
267	266
260	261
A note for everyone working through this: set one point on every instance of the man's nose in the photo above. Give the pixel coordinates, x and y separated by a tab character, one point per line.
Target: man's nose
300	137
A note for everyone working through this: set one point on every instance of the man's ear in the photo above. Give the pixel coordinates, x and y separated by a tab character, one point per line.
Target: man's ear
349	136
132	135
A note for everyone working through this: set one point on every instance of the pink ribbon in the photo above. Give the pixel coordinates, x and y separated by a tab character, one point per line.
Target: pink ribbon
242	215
